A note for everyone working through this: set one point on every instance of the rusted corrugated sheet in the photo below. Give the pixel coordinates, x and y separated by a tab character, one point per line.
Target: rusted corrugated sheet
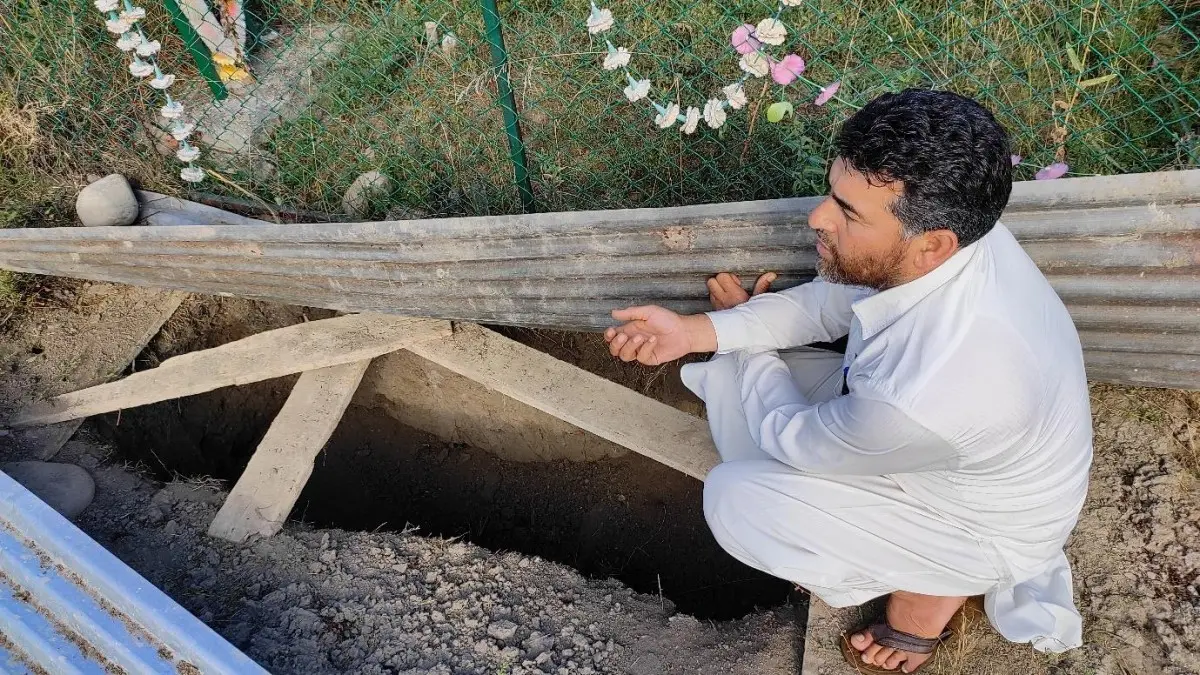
1123	252
67	606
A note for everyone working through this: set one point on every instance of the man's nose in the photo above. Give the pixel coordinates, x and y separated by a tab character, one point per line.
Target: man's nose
819	218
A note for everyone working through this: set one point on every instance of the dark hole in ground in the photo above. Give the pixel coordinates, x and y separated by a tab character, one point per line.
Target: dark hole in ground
628	518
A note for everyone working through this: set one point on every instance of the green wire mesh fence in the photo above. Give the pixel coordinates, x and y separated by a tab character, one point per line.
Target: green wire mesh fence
413	108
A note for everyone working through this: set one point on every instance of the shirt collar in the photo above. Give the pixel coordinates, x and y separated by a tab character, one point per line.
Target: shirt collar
877	312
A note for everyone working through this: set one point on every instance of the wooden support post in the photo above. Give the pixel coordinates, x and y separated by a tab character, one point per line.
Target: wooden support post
306	346
648	427
265	494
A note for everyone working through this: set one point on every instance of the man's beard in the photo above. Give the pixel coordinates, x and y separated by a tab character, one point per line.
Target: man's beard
879	273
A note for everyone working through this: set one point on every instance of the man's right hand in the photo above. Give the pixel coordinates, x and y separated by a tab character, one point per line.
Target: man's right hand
654	335
725	290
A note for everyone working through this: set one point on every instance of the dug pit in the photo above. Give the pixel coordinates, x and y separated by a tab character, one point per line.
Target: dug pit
560	494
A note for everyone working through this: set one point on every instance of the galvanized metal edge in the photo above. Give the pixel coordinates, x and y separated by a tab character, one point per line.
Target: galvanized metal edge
1122	252
69	606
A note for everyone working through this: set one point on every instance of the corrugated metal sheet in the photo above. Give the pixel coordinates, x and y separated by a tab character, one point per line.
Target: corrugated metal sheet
68	606
1123	252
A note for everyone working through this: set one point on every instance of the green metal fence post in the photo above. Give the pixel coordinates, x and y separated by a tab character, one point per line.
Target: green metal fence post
200	54
512	124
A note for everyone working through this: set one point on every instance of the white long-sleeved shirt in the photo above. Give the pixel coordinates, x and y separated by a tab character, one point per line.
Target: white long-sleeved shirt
966	386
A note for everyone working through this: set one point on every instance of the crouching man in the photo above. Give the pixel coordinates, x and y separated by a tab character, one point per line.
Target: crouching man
946	453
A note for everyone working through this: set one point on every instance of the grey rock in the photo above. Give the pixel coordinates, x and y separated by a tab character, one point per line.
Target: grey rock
107	202
164	498
502	630
155	515
264	168
367	188
539	644
65	487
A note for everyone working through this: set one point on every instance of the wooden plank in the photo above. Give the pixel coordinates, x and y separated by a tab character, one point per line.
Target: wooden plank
48	440
63	348
306	346
163	210
265	494
648	427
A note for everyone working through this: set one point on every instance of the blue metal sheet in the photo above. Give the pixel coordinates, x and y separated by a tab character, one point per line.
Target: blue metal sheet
69	606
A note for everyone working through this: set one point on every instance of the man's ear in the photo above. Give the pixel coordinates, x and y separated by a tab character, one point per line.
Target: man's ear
934	248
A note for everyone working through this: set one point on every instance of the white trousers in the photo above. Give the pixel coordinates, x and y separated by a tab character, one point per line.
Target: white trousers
850	539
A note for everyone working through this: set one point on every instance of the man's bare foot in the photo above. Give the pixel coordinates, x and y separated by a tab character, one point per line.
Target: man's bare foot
924	616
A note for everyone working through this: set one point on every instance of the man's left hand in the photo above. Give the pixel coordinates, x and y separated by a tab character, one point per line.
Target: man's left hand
725	290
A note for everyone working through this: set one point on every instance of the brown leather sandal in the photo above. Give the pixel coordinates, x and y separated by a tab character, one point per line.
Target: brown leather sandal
887	636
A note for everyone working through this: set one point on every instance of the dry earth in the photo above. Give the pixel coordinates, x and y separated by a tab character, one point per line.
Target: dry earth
332	601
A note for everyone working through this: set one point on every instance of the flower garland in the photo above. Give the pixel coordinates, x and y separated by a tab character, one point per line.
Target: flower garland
123	19
749	41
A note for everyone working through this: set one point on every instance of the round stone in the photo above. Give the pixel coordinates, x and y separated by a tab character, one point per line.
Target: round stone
366	190
65	487
107	202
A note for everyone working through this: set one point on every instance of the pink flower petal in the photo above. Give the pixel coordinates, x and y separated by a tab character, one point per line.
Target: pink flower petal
1016	159
743	40
786	71
1055	170
828	92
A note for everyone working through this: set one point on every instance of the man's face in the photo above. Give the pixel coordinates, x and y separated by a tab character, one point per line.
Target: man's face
860	240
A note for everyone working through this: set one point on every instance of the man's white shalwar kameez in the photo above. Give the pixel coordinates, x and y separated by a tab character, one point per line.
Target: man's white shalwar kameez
946	453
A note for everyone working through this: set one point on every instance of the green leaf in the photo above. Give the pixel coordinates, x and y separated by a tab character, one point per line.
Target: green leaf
1075	60
1096	80
777	111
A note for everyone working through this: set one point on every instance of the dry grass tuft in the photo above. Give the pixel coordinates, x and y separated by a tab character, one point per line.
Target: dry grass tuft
19	135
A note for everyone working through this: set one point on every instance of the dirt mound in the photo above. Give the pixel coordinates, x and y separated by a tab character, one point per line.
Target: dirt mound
329	601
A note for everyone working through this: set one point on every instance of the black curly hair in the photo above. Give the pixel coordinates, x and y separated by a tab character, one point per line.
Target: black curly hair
949	154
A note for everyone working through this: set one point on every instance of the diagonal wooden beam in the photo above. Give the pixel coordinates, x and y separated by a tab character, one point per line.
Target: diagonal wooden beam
306	346
621	415
269	487
119	326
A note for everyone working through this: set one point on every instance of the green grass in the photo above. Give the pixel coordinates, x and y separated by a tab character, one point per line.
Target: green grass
390	103
433	125
68	108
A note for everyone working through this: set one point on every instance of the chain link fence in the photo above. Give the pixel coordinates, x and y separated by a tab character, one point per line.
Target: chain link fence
465	108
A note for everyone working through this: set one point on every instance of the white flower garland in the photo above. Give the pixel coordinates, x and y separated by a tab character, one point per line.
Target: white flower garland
755	61
123	19
747	40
